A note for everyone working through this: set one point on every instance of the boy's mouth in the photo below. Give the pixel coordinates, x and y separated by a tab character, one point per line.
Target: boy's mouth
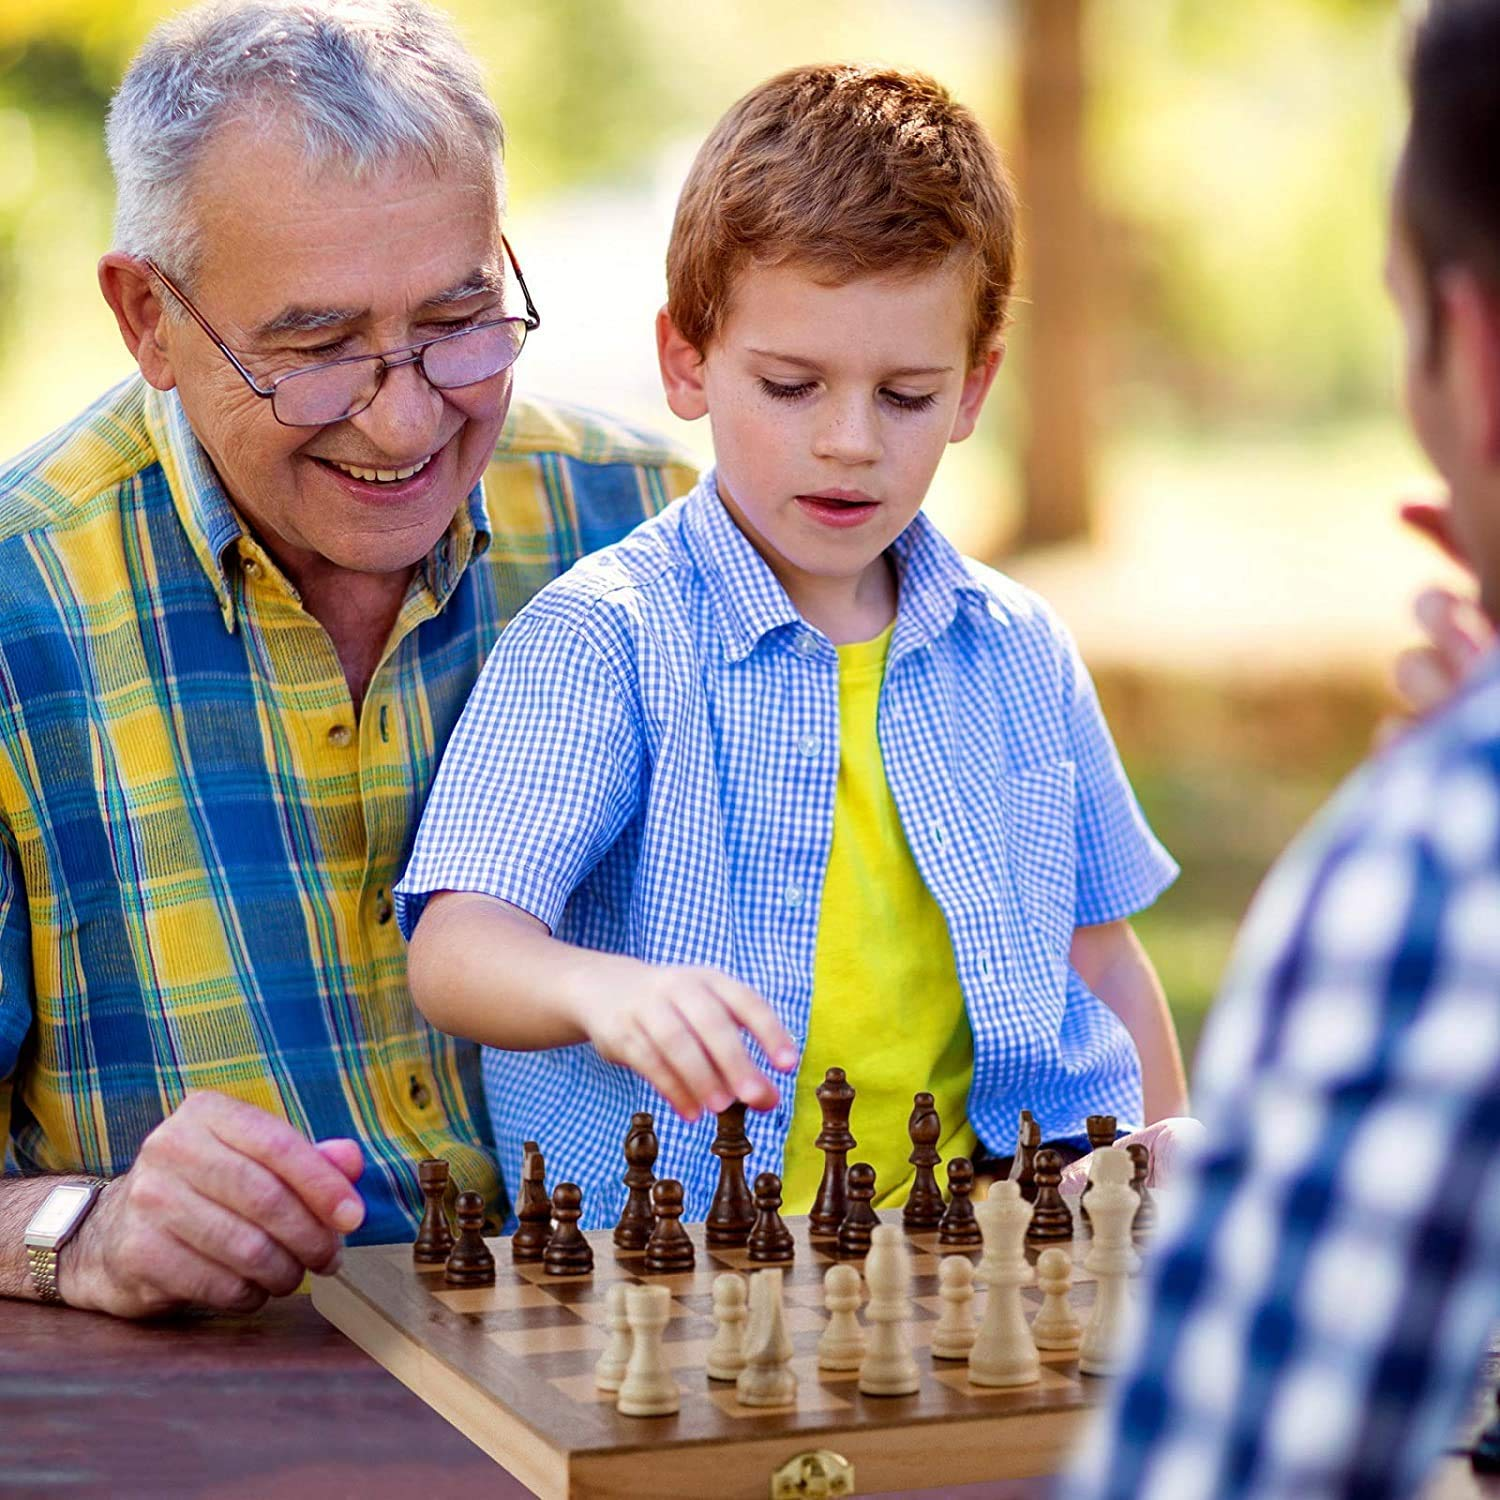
838	508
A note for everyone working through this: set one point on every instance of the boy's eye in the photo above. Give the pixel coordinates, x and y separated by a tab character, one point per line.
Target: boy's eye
910	403
779	392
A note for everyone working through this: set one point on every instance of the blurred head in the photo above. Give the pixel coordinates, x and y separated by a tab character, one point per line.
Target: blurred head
321	178
1444	265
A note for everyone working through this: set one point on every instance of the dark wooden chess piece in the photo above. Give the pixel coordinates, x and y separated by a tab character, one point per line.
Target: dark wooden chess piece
636	1218
959	1226
860	1217
470	1262
567	1252
669	1248
771	1242
1484	1456
533	1208
1145	1215
1101	1132
1023	1163
835	1097
435	1236
924	1204
1051	1219
732	1213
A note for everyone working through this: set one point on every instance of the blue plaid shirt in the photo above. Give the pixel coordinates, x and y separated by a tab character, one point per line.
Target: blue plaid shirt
1316	1313
648	766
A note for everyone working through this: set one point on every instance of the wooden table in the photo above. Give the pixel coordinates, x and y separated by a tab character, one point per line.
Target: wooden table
242	1408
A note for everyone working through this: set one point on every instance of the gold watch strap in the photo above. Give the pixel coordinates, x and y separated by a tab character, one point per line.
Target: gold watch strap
42	1263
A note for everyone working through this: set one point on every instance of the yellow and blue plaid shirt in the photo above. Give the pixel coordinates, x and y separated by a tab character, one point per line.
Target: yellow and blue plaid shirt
198	839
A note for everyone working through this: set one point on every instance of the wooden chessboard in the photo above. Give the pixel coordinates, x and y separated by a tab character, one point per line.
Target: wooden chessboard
511	1366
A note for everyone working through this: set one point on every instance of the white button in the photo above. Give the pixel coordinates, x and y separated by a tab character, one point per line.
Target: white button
792	895
809	745
806	644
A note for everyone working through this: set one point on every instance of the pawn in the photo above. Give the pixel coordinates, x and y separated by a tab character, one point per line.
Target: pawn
842	1345
726	1355
953	1336
533	1208
1055	1326
609	1371
860	1218
649	1388
669	1248
567	1252
959	1226
1145	1215
470	1262
434	1240
1051	1218
770	1241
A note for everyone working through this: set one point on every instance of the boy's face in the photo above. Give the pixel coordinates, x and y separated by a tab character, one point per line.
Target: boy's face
830	408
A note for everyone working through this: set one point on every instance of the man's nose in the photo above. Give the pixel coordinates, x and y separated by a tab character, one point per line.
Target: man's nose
405	414
848	431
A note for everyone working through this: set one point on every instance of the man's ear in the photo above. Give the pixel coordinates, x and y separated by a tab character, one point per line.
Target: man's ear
977	385
681	370
1471	331
135	300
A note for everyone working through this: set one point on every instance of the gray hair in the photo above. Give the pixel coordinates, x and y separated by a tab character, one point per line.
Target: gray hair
367	83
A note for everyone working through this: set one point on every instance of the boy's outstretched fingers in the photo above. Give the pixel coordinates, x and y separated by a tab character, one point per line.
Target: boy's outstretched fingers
1169	1142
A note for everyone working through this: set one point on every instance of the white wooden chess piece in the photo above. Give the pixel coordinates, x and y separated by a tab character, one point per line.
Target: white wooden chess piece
1003	1352
1056	1325
610	1370
767	1379
953	1335
842	1345
726	1355
648	1389
1111	1257
888	1368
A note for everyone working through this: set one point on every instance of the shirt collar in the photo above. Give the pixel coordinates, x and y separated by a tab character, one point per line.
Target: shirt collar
215	529
749	602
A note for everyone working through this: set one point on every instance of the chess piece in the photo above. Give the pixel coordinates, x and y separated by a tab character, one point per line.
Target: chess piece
1022	1166
434	1239
1055	1326
1101	1133
888	1368
924	1204
767	1379
1003	1353
470	1262
1111	1258
609	1370
958	1225
770	1240
835	1097
533	1208
567	1252
860	1218
649	1388
1051	1218
732	1212
842	1344
726	1355
636	1218
1145	1214
953	1336
669	1248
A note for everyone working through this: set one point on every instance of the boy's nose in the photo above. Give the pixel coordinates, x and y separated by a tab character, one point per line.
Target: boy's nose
849	433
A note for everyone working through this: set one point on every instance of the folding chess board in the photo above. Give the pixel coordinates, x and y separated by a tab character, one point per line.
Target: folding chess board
511	1366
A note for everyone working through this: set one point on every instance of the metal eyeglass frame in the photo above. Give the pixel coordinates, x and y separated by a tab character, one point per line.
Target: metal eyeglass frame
413	353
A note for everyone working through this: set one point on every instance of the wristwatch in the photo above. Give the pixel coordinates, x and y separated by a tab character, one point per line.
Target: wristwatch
52	1226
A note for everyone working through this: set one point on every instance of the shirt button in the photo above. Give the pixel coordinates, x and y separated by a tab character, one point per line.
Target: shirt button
340	735
252	568
805	644
809	745
384	909
420	1094
792	895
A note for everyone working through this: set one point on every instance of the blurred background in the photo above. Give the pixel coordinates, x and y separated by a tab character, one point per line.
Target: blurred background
1195	448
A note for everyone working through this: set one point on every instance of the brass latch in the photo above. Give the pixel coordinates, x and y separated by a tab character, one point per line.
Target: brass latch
819	1475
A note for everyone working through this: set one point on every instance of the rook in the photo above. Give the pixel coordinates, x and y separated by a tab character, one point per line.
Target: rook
533	1210
434	1240
648	1389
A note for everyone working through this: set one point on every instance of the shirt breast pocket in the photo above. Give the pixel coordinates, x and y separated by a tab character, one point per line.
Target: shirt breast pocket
1041	838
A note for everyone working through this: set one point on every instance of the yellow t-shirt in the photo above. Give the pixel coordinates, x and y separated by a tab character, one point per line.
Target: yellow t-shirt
887	1007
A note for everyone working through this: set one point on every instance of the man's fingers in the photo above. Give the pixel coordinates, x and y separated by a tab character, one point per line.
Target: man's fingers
185	1275
236	1245
344	1154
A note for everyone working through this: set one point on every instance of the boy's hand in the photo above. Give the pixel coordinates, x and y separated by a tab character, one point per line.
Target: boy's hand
1167	1140
679	1028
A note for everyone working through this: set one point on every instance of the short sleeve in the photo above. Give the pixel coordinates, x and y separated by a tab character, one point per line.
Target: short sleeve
539	778
1122	866
15	978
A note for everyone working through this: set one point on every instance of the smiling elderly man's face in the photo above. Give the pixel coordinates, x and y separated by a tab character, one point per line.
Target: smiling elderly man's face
302	264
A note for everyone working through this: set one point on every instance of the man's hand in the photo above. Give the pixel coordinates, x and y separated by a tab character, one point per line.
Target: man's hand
679	1028
225	1207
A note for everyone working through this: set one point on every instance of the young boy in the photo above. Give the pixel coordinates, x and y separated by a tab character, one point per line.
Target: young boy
782	781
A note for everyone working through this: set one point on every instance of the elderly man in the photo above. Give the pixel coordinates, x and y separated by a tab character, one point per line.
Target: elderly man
245	595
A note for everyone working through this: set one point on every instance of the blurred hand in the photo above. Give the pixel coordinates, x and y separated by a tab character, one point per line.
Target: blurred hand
225	1207
1169	1142
680	1029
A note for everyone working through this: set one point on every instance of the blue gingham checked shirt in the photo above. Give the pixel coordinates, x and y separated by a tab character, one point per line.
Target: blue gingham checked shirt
1316	1313
648	765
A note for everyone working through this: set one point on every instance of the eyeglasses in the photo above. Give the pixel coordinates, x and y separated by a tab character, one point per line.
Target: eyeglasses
342	388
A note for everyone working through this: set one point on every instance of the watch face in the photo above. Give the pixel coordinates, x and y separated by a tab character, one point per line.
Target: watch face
58	1211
